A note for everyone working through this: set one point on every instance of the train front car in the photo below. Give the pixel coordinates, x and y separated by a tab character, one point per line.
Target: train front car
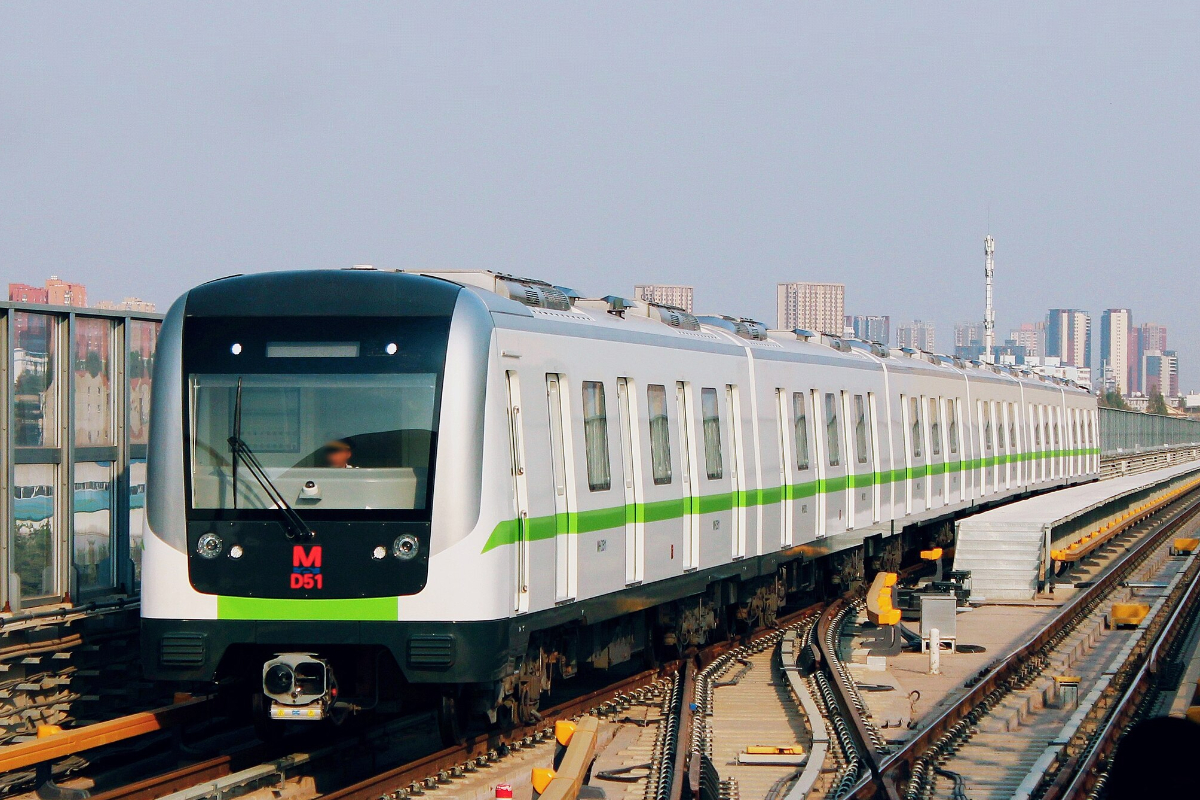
303	444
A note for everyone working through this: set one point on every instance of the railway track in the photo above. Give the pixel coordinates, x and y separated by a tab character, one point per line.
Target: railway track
1065	754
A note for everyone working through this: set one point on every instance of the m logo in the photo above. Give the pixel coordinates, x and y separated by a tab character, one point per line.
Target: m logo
306	567
312	558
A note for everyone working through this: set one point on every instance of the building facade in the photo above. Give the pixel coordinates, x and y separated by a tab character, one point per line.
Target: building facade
870	328
1151	338
1032	337
665	294
1069	337
815	306
918	335
1115	327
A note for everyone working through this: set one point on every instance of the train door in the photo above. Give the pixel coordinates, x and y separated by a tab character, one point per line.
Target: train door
820	446
937	454
836	465
691	481
516	443
954	482
806	494
1001	445
873	426
785	468
847	432
918	471
862	473
631	479
986	453
1014	444
737	468
1035	446
566	546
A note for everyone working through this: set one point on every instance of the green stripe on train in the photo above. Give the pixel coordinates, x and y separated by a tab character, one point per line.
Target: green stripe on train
380	609
538	528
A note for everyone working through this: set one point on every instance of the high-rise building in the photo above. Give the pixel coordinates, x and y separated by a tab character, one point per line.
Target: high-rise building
665	294
56	292
1151	338
969	340
816	306
1031	336
1160	372
871	328
64	293
1115	327
24	293
968	334
918	335
1069	337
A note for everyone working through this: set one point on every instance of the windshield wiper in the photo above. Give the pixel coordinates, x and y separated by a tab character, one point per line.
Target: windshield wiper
294	526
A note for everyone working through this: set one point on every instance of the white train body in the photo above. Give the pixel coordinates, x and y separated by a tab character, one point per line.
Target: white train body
548	516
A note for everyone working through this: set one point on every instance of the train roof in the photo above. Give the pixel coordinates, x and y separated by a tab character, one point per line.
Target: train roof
536	299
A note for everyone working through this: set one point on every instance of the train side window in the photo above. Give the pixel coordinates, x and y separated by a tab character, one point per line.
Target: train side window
595	437
860	429
1000	426
713	462
660	434
935	428
831	430
914	404
953	432
800	424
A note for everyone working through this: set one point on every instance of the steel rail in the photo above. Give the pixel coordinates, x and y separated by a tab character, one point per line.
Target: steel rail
438	766
897	766
826	640
1078	776
170	782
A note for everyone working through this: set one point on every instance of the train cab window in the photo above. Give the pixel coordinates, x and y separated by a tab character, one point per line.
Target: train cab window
860	429
800	424
595	437
935	428
713	462
953	431
660	434
915	410
832	439
350	440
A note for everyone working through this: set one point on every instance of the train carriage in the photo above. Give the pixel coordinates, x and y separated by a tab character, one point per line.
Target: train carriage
366	486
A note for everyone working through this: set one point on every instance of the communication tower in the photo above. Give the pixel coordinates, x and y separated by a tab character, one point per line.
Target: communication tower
989	312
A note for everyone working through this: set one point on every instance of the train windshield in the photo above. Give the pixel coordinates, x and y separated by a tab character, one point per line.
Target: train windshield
337	422
326	441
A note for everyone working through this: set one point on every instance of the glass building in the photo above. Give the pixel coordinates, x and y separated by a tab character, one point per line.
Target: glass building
73	445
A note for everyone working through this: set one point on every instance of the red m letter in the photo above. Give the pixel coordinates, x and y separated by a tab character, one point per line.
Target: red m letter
310	559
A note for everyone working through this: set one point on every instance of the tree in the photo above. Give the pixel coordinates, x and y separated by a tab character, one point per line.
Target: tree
1112	399
1158	405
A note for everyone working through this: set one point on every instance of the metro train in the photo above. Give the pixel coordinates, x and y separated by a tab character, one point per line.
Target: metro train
368	489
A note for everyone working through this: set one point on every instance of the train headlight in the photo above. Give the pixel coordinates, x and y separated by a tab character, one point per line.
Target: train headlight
236	551
405	547
278	680
209	545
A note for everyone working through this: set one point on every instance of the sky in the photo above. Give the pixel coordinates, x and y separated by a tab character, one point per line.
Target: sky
145	148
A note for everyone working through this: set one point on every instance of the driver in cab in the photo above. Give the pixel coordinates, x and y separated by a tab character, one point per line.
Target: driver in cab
338	453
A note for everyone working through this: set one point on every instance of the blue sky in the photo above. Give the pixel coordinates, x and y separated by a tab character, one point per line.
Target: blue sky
148	147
